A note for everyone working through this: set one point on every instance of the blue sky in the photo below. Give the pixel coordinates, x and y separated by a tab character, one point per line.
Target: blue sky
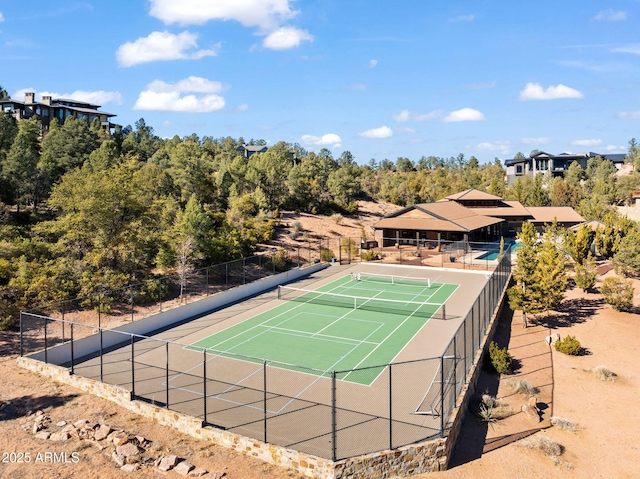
379	78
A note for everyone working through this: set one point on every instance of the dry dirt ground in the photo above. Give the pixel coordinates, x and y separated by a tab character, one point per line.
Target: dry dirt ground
604	445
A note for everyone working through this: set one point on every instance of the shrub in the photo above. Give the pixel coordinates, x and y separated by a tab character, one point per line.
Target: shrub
491	410
368	255
520	386
586	274
562	423
569	345
326	255
618	293
544	444
500	358
337	218
603	373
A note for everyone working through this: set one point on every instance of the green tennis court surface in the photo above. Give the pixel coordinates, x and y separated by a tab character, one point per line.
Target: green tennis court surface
353	322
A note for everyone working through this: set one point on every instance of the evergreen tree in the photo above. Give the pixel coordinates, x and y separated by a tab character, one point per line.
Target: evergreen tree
21	164
522	296
626	260
580	243
586	273
550	278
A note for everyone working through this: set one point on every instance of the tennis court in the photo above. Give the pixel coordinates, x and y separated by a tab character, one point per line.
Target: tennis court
356	321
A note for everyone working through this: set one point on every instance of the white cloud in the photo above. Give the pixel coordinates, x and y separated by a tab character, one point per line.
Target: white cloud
464	114
534	91
464	18
1	17
629	115
381	132
633	48
161	96
328	139
243	107
587	143
502	146
406	130
373	63
265	14
98	97
162	46
609	148
286	37
535	141
406	115
611	15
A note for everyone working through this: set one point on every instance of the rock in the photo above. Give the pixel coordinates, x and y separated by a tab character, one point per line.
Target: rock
43	435
40	419
39	413
120	438
80	424
168	462
140	440
184	468
533	401
36	427
86	433
118	458
531	412
198	472
61	423
102	432
59	436
552	338
128	450
130	467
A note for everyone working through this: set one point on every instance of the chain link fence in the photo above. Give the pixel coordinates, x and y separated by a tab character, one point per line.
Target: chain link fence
330	414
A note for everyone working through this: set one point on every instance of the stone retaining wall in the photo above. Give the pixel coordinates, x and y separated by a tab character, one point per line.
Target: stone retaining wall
419	458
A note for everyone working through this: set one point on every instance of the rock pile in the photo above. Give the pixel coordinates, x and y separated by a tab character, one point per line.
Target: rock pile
130	452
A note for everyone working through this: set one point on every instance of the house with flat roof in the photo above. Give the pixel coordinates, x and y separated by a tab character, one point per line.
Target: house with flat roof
542	162
248	150
58	108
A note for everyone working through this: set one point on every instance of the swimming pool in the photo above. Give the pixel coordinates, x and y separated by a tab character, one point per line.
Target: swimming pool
493	254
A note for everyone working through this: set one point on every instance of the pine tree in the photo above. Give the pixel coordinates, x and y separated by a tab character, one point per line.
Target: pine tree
522	295
21	165
586	273
550	276
580	243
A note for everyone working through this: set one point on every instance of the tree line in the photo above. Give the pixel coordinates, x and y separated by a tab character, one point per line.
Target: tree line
82	210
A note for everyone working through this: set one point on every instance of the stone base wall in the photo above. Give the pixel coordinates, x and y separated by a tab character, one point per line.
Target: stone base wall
429	456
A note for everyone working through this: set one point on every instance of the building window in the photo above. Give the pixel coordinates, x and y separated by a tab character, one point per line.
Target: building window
518	169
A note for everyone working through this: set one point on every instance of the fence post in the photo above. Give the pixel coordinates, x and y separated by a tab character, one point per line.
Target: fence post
167	373
45	341
21	346
131	296
464	339
204	385
73	366
63	322
455	369
442	396
333	416
264	399
390	409
133	370
101	359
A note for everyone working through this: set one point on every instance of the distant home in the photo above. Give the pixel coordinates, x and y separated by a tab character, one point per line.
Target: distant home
470	215
58	108
557	164
248	150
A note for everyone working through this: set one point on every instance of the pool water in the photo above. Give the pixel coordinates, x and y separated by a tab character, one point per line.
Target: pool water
493	254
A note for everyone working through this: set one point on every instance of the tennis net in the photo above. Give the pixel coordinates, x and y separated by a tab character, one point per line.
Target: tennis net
390	306
393	279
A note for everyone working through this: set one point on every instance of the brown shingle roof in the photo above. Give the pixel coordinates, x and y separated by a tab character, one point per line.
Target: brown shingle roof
509	208
546	214
440	216
472	194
